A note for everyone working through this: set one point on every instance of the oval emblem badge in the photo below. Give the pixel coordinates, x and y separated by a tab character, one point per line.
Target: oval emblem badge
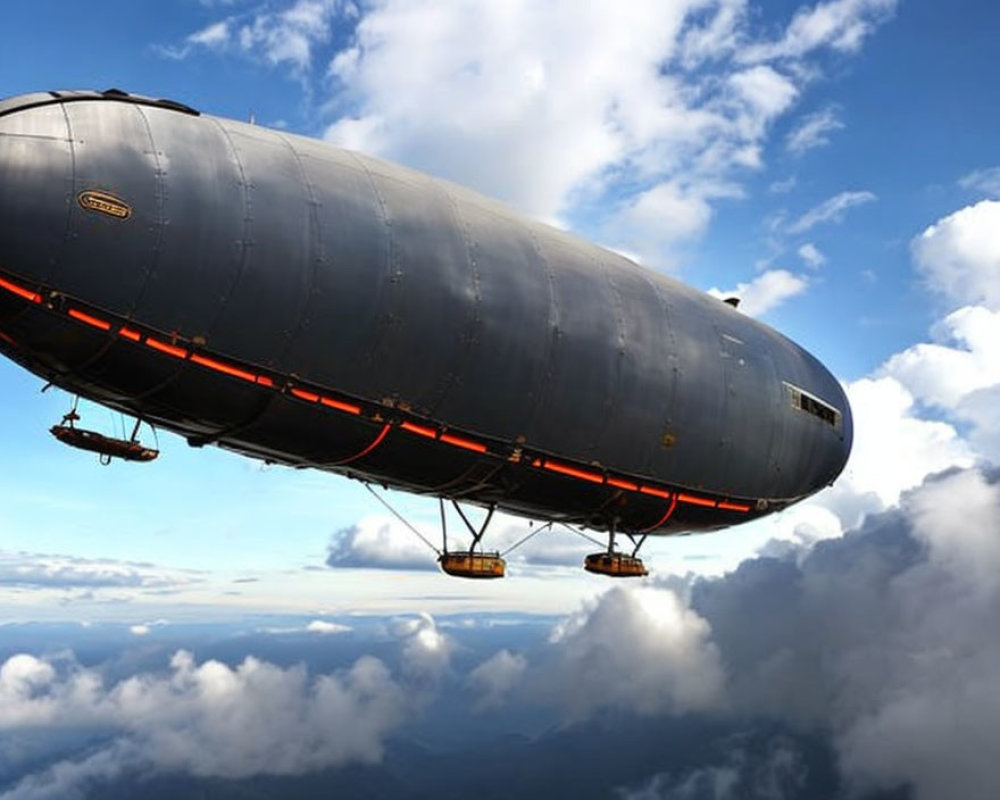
104	203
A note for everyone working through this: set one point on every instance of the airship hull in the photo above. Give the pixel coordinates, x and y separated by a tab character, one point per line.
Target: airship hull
320	308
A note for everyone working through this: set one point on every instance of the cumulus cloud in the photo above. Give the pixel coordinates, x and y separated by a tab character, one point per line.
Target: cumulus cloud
381	543
426	650
637	118
831	210
643	650
883	639
813	131
765	292
895	447
884	636
496	677
959	256
206	719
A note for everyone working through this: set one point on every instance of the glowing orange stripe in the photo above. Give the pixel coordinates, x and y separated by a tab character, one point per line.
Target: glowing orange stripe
307	396
696	501
620	484
563	469
420	430
536	463
169	349
465	444
369	448
655	492
34	297
131	335
89	320
9	339
662	520
218	366
733	506
263	380
329	402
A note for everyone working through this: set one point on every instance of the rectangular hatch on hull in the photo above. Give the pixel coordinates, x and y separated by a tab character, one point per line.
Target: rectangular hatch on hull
803	401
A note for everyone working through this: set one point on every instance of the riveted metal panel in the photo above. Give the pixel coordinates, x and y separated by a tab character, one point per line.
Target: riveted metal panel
107	257
262	309
36	190
497	376
431	292
203	204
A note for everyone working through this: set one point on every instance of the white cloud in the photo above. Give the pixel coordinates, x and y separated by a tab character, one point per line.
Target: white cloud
210	719
765	292
426	650
840	25
830	210
813	130
563	108
811	255
894	447
280	38
959	256
381	543
496	677
964	357
648	106
140	630
984	181
326	628
211	36
783	186
48	571
639	649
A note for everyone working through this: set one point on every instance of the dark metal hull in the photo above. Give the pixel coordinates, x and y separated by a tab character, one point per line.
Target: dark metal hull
489	357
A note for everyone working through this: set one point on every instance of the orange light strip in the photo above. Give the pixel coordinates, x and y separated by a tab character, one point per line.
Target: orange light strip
94	322
226	369
20	291
163	347
351	408
573	472
465	444
369	448
420	430
347	408
664	518
690	499
9	339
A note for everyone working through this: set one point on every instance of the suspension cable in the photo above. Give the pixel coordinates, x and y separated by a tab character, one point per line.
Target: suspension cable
535	532
401	518
581	533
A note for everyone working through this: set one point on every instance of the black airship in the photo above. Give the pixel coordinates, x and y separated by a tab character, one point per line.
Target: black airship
315	307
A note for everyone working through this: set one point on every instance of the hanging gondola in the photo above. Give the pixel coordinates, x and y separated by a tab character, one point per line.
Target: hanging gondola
107	447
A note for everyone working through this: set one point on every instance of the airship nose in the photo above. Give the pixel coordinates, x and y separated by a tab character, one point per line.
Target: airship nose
36	181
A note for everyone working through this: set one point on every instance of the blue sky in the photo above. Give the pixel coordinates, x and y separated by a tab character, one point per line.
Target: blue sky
835	163
790	152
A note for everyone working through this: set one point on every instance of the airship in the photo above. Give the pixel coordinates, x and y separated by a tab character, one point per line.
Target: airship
319	308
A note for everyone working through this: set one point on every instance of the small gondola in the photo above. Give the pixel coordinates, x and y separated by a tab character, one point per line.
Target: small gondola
107	447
